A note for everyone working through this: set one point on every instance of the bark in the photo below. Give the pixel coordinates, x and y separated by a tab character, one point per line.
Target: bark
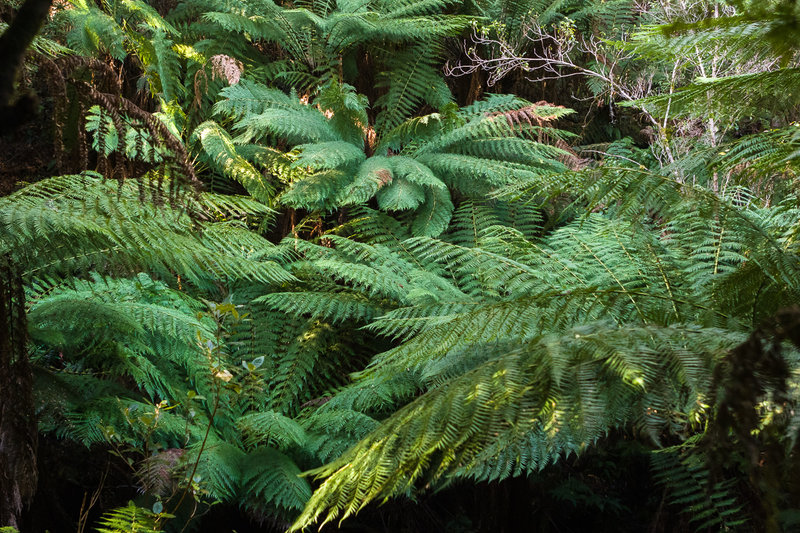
18	432
14	42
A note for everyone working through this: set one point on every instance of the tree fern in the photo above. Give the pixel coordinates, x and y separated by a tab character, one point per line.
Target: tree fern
90	23
133	360
482	147
95	30
489	303
602	323
47	211
322	40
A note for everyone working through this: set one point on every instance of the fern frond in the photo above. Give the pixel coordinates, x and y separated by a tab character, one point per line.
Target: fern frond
433	217
372	175
328	155
251	98
272	429
331	307
272	478
129	519
218	467
92	220
548	393
220	147
691	486
757	91
412	79
163	66
94	31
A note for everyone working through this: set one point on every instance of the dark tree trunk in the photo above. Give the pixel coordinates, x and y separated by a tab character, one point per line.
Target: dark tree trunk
14	42
18	432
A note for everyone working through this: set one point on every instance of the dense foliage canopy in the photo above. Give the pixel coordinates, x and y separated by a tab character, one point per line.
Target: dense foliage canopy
268	265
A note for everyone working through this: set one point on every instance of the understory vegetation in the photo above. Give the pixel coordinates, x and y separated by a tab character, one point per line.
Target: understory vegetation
400	265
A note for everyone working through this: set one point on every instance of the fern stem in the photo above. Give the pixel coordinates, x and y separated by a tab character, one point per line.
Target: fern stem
666	280
611	273
199	454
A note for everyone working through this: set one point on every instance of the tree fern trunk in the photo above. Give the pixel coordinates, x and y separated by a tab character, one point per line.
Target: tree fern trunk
18	433
475	87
